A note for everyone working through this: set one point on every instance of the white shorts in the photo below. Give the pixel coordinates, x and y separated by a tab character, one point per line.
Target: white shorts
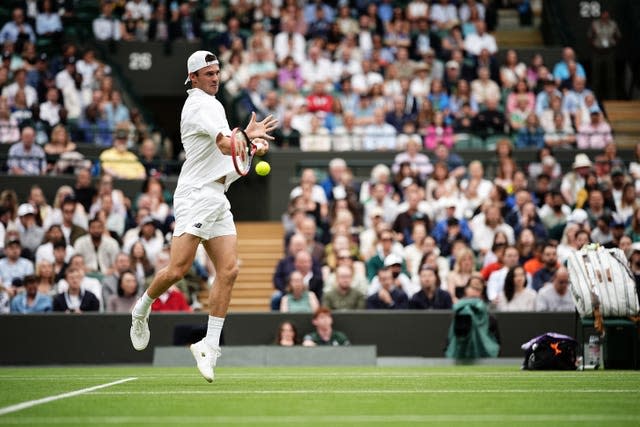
203	212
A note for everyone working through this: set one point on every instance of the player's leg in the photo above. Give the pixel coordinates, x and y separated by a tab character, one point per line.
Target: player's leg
183	252
223	253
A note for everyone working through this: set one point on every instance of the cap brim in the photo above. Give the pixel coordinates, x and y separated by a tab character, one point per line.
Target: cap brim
187	80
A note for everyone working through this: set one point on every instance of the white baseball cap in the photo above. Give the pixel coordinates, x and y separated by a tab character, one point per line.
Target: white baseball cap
198	60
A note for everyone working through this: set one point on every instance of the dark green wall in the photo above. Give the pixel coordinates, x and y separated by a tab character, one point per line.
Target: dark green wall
104	338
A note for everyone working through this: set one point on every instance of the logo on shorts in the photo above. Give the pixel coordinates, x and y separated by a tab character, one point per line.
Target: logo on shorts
197	225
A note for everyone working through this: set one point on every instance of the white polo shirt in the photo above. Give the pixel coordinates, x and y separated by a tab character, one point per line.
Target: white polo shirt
203	118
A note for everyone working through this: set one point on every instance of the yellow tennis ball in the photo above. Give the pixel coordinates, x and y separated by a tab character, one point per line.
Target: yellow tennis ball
263	168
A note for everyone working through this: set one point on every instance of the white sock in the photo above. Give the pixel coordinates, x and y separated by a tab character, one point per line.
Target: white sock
213	331
143	306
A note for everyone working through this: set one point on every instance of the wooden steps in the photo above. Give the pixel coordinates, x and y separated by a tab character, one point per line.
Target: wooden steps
624	117
260	247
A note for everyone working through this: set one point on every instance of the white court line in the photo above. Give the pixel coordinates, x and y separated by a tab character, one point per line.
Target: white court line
554	418
31	403
358	391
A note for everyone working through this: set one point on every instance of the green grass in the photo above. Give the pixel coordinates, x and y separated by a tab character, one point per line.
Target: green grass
463	396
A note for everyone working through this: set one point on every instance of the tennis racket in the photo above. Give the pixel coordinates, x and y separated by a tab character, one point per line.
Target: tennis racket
242	160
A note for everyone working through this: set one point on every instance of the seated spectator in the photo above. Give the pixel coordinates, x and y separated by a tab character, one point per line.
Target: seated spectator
555	296
111	281
430	296
531	135
13	266
75	299
9	130
88	280
438	132
388	295
298	298
119	162
560	134
297	258
45	250
287	335
106	26
486	226
17	30
126	295
550	266
99	249
94	127
31	234
463	269
317	138
171	300
496	279
324	333
30	300
25	157
344	296
379	135
490	121
516	296
46	277
519	114
594	134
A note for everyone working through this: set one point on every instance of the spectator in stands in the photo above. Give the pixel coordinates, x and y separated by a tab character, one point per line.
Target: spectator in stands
13	266
110	282
115	110
595	134
287	335
438	132
30	300
298	298
430	296
25	157
118	161
317	138
555	296
560	134
107	27
94	127
17	30
75	299
403	224
464	268
531	135
549	268
171	300
561	68
516	296
543	99
45	250
9	131
126	296
99	249
324	333
474	189
20	85
31	234
185	24
574	181
389	294
48	22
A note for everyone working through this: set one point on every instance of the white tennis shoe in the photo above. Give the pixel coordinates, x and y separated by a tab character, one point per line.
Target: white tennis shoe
206	357
139	332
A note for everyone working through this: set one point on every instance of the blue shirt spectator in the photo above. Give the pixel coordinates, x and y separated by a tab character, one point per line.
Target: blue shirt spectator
25	157
13	266
17	28
31	301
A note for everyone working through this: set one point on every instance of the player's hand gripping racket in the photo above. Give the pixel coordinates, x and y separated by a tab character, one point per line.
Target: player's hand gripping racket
242	157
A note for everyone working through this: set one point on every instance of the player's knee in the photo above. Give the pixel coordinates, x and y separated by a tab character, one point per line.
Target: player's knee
177	272
229	275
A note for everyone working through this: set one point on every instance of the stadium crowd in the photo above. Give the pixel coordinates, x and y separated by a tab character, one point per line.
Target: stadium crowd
421	79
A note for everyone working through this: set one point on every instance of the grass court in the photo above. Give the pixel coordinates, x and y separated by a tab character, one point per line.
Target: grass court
451	396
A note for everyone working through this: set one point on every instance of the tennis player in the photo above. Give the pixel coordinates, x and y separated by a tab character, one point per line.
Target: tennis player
202	211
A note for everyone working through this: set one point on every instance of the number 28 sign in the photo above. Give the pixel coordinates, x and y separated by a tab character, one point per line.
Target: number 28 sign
589	9
140	61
